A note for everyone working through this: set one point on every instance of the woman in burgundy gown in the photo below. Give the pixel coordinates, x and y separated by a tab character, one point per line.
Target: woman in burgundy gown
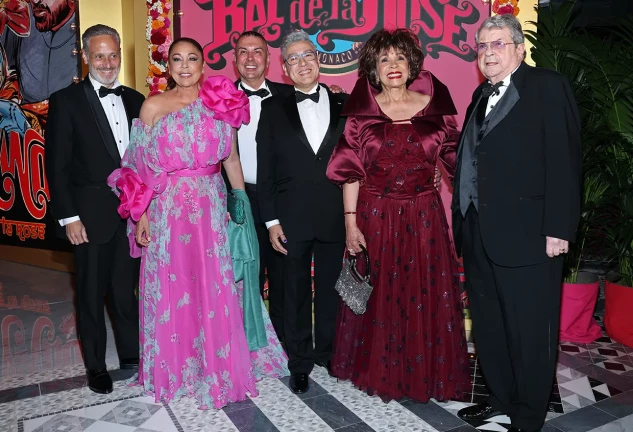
411	340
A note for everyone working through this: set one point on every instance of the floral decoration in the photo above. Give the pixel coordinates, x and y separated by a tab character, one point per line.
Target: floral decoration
501	7
158	35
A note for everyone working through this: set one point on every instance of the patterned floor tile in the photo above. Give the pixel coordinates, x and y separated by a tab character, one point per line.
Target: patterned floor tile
285	410
615	367
59	422
582	420
620	425
379	415
573	348
121	416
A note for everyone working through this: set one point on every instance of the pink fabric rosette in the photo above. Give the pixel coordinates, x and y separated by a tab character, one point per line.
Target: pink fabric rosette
133	194
229	104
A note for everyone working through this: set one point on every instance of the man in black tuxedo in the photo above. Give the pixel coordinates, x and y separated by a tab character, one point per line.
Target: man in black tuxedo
251	58
87	133
302	209
516	207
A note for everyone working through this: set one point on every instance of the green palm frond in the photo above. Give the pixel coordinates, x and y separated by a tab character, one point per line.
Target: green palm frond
600	71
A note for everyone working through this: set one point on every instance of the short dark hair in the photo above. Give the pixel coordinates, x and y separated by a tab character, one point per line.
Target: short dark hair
400	39
251	33
170	82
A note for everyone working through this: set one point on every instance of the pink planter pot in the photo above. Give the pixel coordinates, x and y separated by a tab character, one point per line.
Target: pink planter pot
577	323
618	313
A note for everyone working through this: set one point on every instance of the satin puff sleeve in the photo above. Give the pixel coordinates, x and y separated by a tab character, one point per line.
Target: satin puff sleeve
447	152
347	162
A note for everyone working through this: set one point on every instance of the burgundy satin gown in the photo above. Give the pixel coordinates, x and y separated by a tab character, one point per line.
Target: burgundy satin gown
411	340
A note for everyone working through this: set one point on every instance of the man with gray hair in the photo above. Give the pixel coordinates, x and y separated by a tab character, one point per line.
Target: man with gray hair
87	132
516	207
302	209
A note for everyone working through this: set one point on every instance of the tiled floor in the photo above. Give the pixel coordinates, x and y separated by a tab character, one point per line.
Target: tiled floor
42	385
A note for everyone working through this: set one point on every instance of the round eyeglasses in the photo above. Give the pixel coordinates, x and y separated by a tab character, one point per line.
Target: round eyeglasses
296	58
498	45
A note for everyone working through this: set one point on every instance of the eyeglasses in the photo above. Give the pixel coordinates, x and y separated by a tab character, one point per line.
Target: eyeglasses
296	58
498	45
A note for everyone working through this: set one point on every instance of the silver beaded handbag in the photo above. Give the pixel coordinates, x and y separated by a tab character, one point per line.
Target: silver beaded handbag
353	287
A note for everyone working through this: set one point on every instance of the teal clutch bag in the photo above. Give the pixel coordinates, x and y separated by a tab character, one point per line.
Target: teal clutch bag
235	207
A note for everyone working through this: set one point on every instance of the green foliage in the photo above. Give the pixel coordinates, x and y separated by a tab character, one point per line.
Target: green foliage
599	68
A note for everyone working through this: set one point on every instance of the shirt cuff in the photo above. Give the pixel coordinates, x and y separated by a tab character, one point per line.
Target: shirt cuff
66	221
272	223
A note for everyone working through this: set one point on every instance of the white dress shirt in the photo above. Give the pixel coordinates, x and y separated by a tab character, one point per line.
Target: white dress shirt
246	135
315	119
494	99
117	118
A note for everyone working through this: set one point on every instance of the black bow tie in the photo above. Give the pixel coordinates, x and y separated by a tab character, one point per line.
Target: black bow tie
490	89
262	93
104	91
301	96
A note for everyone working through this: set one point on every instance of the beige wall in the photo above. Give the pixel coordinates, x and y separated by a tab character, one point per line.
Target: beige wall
128	17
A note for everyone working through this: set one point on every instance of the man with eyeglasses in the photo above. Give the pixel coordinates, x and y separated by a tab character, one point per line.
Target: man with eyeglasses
303	210
252	58
516	207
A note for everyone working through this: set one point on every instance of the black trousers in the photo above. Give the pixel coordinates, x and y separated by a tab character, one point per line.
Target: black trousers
328	261
269	260
515	313
107	269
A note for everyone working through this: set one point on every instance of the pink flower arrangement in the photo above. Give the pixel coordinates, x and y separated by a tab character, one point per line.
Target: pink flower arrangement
501	7
158	34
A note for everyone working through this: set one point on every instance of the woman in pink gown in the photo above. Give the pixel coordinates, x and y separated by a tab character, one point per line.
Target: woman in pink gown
192	334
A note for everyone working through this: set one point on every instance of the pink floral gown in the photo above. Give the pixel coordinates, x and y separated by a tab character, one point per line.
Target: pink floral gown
192	337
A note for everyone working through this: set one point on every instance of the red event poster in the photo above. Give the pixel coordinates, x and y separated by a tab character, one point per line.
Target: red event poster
338	28
38	56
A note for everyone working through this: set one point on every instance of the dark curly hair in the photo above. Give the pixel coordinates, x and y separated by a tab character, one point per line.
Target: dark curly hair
400	39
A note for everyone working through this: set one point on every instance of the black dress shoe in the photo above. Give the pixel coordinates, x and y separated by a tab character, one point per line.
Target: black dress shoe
99	381
480	411
299	383
127	364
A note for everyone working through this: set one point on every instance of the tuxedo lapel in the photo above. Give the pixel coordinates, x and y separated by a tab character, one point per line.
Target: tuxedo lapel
501	110
272	88
290	106
128	110
101	120
336	106
470	116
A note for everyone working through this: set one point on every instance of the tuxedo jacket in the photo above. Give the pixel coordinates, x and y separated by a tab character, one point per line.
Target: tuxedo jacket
275	89
81	153
291	181
529	169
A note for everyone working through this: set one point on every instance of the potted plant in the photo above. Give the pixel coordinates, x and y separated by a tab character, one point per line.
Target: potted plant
598	68
618	316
